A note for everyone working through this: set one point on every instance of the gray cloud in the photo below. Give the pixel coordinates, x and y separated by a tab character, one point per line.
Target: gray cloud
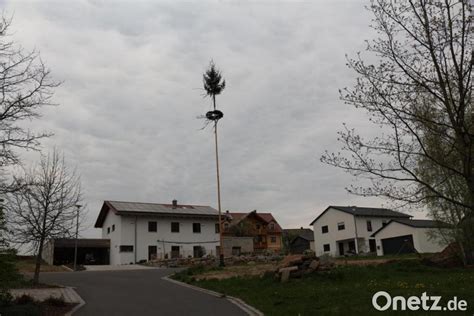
132	92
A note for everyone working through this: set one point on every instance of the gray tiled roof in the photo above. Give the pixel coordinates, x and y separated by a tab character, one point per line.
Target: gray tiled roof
304	233
365	211
371	211
421	223
416	223
162	208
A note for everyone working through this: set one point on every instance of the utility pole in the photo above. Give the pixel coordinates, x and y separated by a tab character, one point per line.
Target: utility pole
77	235
214	84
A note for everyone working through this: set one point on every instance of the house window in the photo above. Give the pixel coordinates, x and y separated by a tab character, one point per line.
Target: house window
218	228
226	226
126	248
341	226
196	227
369	226
273	239
272	226
258	226
152	227
236	251
327	248
113	227
198	251
174	227
108	230
324	229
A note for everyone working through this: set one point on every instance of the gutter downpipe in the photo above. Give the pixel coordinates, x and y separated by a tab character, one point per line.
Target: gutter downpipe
135	246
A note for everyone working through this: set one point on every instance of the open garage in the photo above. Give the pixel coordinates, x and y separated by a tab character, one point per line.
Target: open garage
89	251
398	245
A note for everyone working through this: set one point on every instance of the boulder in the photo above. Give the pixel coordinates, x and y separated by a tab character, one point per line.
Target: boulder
285	273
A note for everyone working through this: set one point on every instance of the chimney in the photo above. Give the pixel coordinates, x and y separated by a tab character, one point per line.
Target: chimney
175	203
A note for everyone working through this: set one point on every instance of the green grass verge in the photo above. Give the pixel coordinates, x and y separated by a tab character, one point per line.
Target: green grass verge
345	290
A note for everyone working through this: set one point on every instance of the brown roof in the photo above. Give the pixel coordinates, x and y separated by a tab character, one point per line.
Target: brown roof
266	217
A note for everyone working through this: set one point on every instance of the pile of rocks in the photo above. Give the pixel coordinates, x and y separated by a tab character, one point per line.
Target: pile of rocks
182	262
295	266
448	258
212	260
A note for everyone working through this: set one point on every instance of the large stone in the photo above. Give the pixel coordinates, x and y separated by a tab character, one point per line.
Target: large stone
285	273
291	260
314	265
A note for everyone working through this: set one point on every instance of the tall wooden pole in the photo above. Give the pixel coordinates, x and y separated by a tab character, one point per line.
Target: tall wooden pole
77	235
221	248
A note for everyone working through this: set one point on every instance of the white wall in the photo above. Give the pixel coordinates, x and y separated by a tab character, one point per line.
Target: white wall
331	218
422	240
114	236
362	231
125	235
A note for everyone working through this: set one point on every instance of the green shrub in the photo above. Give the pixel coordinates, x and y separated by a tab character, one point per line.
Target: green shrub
24	300
9	275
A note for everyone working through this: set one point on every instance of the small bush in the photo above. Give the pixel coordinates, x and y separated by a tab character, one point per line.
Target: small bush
24	300
5	297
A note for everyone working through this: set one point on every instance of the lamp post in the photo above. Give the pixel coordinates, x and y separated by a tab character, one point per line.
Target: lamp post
214	84
78	207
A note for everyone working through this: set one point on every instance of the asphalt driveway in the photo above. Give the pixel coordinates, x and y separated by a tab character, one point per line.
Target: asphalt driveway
139	292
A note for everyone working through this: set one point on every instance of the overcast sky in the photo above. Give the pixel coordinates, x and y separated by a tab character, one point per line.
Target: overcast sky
132	92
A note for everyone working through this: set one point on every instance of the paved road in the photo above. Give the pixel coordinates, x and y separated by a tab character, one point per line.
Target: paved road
139	292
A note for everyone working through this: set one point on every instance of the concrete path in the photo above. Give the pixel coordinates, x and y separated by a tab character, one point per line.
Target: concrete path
125	267
67	293
139	292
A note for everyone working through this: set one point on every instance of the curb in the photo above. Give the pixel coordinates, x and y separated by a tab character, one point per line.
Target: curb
77	307
67	268
250	310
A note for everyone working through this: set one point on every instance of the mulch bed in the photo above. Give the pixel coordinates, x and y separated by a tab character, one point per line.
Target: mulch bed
37	309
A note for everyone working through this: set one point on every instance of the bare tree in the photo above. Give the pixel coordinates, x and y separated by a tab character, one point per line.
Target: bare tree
3	230
420	94
25	87
45	206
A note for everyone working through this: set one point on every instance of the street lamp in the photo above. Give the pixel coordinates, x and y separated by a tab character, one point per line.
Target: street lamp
78	207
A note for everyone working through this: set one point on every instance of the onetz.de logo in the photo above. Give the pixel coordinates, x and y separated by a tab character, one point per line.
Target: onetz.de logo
383	301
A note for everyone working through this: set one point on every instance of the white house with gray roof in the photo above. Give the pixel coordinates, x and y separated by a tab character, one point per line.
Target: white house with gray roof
343	230
144	231
409	236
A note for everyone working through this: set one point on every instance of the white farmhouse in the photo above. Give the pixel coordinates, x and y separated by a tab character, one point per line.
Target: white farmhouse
144	231
340	230
408	236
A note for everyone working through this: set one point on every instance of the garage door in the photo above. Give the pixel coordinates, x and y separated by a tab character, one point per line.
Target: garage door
398	245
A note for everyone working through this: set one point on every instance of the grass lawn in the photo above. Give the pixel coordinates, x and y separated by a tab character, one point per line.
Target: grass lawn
27	265
346	289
